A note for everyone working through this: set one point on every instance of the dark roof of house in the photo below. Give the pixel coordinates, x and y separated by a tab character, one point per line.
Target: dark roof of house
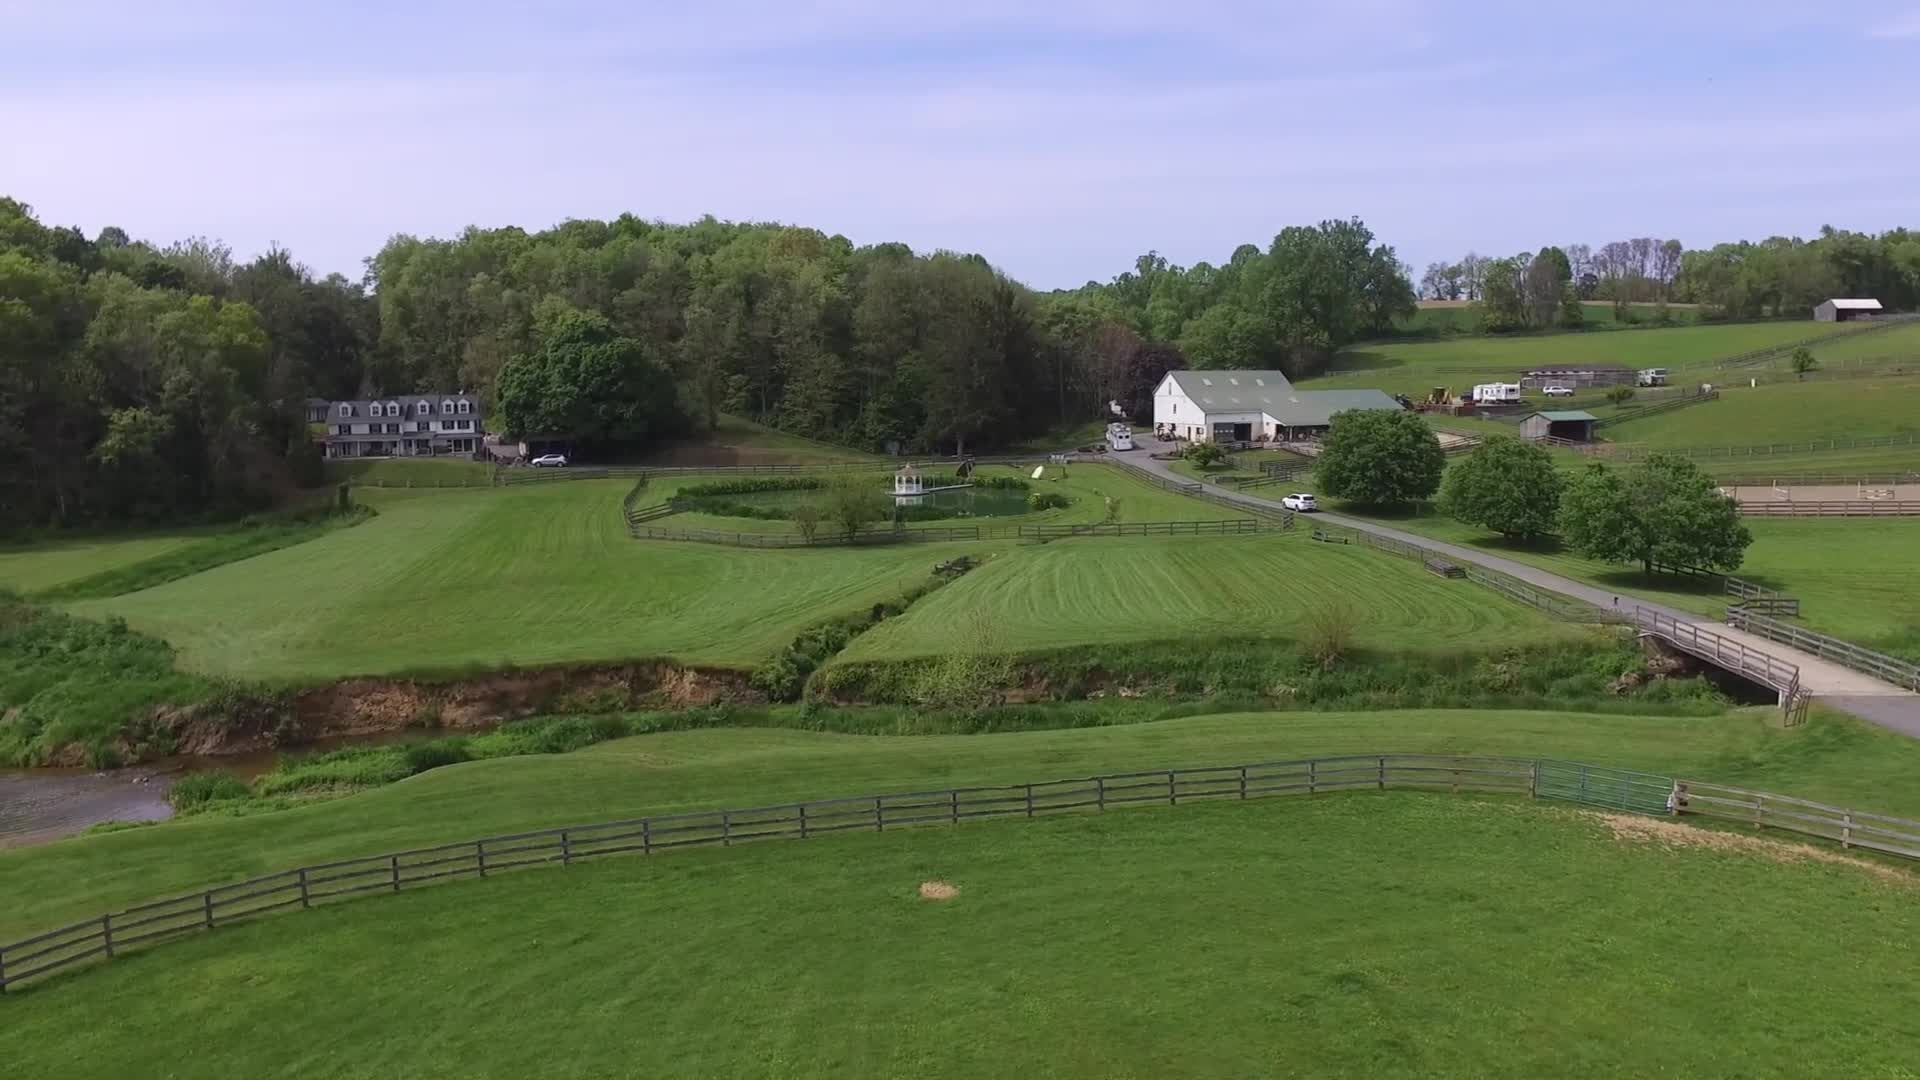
407	403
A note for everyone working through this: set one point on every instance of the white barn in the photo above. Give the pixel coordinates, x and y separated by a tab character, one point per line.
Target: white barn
1247	406
1839	310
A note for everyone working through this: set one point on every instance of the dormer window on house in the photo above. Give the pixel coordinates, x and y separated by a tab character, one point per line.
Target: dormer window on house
446	408
464	406
393	408
345	409
423	408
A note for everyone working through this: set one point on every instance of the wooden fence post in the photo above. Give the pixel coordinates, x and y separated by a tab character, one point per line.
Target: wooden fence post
1533	779
879	819
306	894
953	804
1173	793
646	837
803	821
726	828
1846	829
106	933
207	903
393	861
1100	791
1029	800
1243	781
3	972
1381	779
1313	777
480	855
566	848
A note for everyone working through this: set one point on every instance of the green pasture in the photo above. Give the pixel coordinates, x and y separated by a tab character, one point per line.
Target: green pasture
1857	578
413	472
1833	758
1783	412
36	567
528	575
1374	934
1898	343
1148	589
1413	368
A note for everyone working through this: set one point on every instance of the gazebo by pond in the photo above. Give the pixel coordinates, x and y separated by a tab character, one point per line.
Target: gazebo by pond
907	481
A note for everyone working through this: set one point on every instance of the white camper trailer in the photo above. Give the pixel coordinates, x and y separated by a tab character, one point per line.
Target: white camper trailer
1497	393
1119	437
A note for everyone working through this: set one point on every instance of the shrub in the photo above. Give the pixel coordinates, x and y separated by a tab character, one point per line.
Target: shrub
1048	500
1620	395
1205	454
431	755
195	790
1328	633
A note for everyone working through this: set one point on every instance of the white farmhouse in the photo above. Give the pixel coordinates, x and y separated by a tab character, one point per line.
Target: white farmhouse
1245	406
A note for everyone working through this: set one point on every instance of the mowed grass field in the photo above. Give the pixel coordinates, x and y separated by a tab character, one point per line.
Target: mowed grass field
1413	368
1783	412
413	472
32	568
536	574
1088	485
1857	578
1371	934
1124	590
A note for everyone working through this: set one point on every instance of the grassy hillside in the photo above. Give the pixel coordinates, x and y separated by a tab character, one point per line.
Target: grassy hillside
739	441
1374	935
1856	578
1784	412
1833	758
1413	368
413	472
751	960
524	575
1147	590
30	568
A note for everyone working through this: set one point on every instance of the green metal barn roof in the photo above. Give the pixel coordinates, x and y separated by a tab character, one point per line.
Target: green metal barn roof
1556	417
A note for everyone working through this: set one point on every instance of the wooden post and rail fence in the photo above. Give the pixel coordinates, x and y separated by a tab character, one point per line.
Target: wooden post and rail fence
110	934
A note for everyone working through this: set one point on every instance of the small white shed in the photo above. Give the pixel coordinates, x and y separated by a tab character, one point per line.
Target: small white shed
1839	310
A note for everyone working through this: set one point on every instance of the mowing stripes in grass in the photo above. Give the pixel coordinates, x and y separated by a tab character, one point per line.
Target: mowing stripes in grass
508	576
1140	590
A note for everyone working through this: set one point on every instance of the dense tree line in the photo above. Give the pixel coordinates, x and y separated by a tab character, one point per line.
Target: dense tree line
1313	291
146	383
1774	277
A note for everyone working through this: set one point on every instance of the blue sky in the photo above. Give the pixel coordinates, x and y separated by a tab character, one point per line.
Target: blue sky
1058	139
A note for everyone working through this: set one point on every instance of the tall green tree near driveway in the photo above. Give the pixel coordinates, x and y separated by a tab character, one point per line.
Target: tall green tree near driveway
1380	458
1508	486
1664	510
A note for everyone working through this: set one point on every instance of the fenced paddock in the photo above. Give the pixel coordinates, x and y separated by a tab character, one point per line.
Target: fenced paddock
110	934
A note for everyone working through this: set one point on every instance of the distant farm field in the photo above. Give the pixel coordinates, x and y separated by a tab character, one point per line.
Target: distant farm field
1460	317
1130	590
1413	368
1783	412
537	574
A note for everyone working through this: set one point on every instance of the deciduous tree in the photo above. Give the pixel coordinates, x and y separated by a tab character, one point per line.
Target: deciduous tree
1664	510
1506	485
1380	457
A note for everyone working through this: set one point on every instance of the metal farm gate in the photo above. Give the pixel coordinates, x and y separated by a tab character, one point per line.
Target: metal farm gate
1596	785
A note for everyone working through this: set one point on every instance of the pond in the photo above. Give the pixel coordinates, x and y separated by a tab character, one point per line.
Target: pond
960	502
